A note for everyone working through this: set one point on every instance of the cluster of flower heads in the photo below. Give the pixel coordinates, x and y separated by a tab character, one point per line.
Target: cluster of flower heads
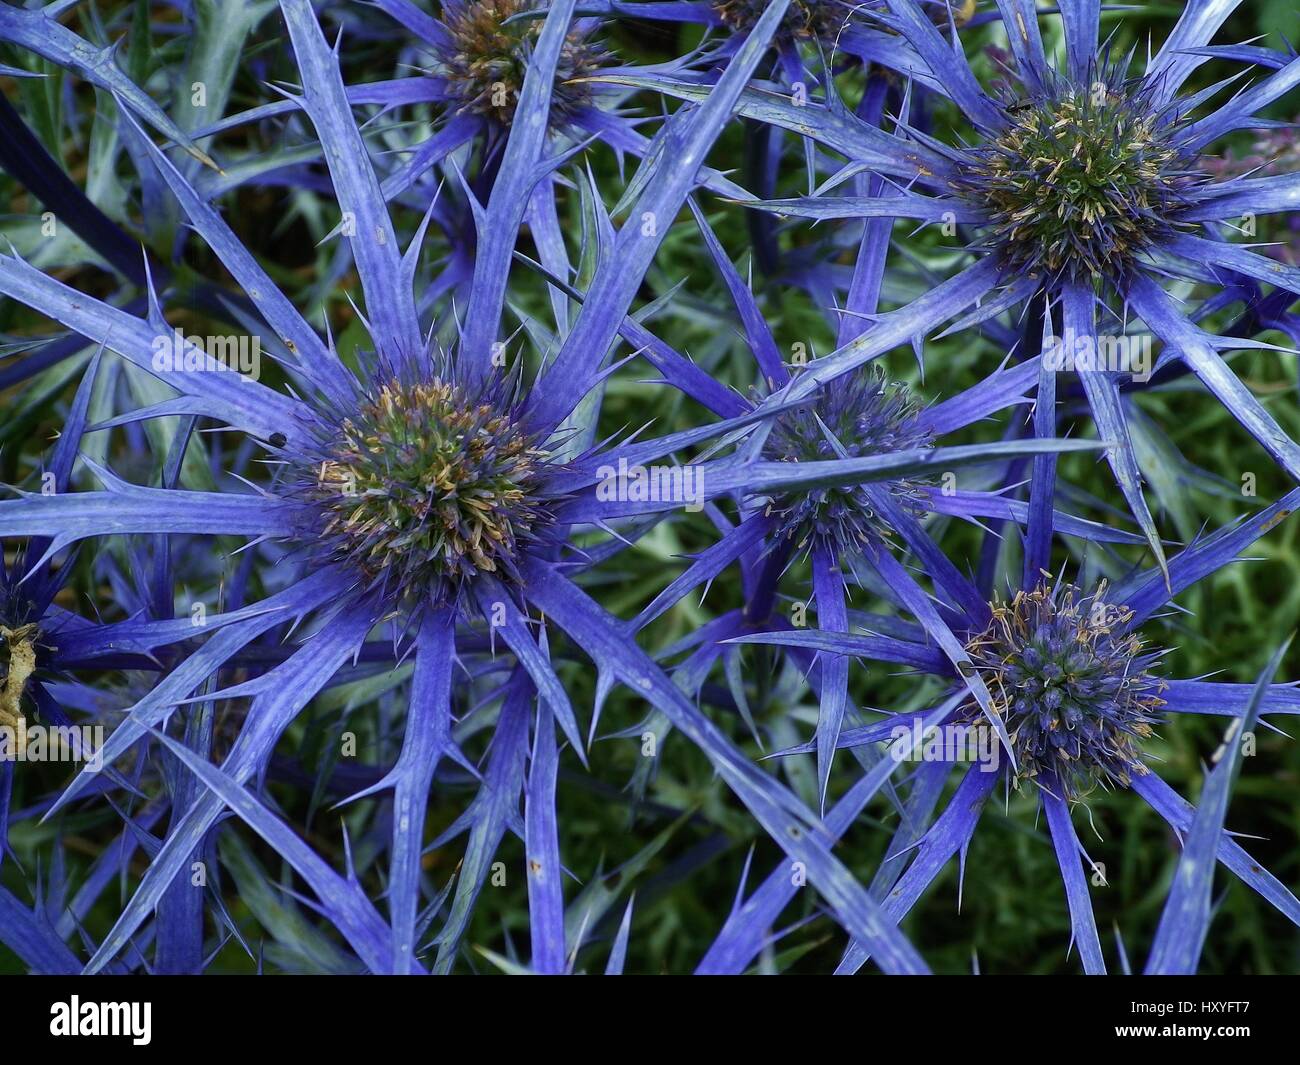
416	519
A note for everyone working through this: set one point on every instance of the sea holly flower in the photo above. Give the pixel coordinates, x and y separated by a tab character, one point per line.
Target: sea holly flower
426	532
422	489
478	57
1080	688
1080	187
864	416
845	520
1073	683
487	55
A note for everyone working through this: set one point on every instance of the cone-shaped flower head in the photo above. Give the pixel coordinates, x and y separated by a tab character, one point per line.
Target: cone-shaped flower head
423	487
491	46
1073	685
859	416
1080	181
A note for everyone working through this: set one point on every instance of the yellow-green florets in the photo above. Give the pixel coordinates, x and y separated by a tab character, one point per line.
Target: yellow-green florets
1078	184
424	487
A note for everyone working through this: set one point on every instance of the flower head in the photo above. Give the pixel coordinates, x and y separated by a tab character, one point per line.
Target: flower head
1072	683
490	49
1080	190
862	415
1080	181
422	488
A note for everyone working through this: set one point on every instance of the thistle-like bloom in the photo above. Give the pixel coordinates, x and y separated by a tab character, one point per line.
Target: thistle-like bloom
1080	189
846	476
423	489
418	498
1076	691
863	416
475	59
1073	685
483	60
1082	183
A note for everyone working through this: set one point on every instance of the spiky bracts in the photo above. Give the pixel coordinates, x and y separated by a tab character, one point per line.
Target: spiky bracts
431	487
424	488
1072	684
860	415
491	46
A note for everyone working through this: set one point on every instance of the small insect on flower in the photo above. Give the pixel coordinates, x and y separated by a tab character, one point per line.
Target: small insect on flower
1072	685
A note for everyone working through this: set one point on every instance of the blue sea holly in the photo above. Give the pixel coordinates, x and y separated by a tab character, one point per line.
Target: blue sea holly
815	481
1082	182
1079	191
1080	689
473	60
418	520
863	416
423	487
1073	684
415	497
836	511
447	142
483	60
